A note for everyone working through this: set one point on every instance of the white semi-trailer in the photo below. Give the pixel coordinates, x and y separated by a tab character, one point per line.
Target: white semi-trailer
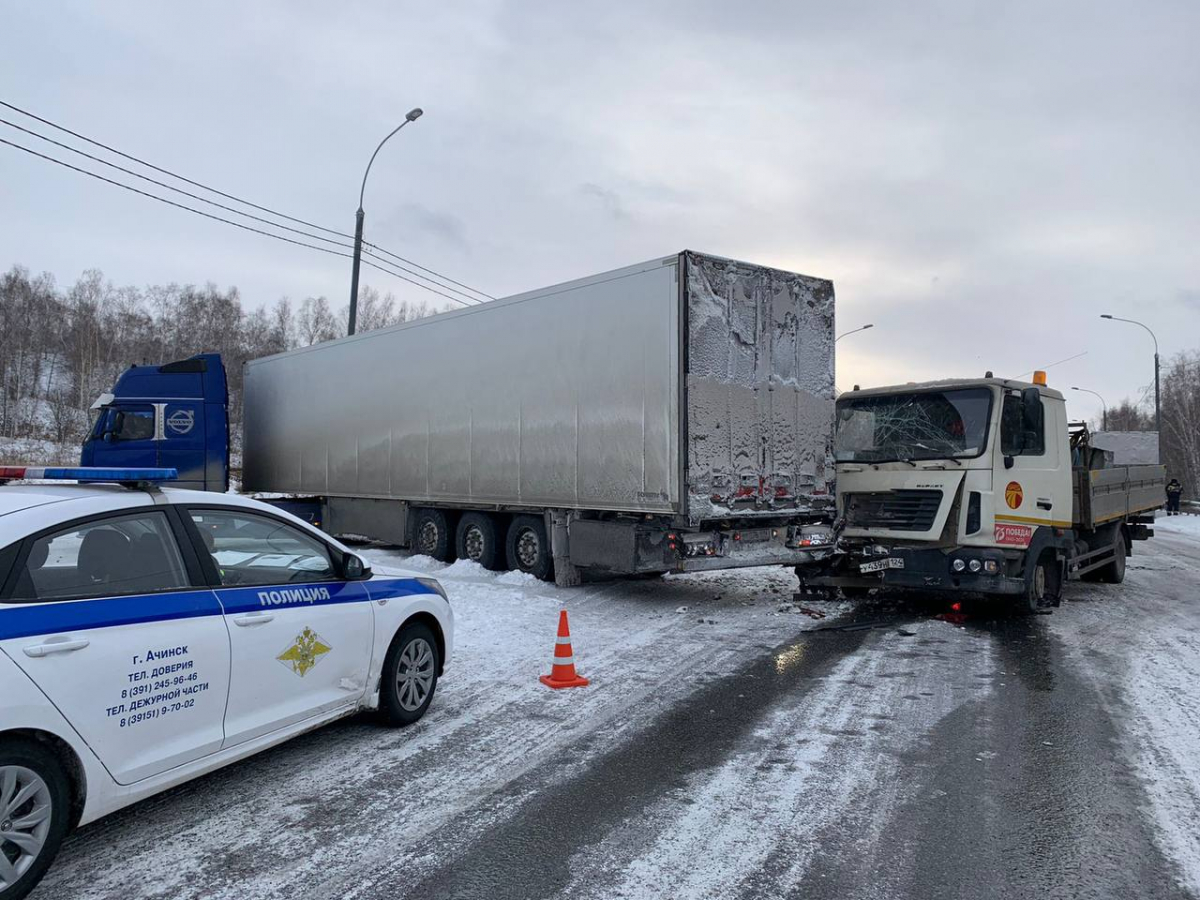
669	416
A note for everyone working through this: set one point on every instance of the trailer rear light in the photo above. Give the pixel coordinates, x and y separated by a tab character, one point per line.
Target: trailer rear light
737	535
956	606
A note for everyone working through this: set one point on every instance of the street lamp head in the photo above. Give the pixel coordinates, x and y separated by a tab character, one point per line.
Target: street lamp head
1074	388
1105	316
865	327
414	114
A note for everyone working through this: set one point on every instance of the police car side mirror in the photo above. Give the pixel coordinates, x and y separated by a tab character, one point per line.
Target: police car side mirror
354	568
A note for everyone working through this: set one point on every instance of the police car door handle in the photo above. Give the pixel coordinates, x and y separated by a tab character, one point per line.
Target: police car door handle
260	618
39	650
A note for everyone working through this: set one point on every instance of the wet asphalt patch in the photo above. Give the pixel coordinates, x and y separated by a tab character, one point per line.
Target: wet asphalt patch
527	857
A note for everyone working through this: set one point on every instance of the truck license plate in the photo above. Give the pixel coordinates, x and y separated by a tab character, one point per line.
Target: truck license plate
877	565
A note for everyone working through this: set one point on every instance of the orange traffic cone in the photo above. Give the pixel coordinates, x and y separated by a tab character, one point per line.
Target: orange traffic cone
563	674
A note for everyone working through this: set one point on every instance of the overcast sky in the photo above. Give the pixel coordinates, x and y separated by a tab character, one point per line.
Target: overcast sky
979	180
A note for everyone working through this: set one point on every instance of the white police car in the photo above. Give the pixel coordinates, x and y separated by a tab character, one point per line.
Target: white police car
150	635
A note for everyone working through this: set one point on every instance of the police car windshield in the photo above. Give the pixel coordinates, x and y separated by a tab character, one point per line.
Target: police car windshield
911	426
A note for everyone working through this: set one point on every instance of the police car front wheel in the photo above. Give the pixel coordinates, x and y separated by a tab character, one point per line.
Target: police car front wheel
410	674
34	801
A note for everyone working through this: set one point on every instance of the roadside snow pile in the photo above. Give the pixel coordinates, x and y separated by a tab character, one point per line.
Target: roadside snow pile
1189	525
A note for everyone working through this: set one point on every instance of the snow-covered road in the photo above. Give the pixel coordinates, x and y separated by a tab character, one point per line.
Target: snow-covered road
730	745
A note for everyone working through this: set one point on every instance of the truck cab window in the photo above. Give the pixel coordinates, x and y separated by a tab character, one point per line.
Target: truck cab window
130	424
1015	438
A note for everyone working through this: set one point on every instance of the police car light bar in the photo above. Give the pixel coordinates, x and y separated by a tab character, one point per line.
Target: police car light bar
86	474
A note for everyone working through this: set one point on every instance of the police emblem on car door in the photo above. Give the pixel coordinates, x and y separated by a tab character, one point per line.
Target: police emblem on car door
304	653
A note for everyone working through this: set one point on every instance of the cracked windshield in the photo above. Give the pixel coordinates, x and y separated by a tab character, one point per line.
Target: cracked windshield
926	425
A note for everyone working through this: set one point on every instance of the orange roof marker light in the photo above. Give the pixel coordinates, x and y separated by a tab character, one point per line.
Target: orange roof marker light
1039	377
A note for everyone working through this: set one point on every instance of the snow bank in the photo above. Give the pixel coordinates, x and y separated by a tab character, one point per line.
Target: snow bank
1188	525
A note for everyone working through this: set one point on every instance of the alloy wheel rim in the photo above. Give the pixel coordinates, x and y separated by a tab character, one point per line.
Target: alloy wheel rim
473	541
427	537
26	811
414	674
528	548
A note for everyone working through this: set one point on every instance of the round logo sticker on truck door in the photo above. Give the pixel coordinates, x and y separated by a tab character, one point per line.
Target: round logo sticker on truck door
182	421
1013	495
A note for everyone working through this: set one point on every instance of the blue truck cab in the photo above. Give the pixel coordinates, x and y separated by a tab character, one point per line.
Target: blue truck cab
169	416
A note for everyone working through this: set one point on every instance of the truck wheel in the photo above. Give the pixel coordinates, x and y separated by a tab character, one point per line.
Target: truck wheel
34	807
476	540
1043	588
1114	572
410	675
529	548
431	535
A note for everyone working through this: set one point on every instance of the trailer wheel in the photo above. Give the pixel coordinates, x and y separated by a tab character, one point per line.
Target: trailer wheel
431	535
1043	586
1114	572
476	539
529	548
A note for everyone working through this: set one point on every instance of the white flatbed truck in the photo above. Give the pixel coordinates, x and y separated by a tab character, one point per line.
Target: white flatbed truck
977	486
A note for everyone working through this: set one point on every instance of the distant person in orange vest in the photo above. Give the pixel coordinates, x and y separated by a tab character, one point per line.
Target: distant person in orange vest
1174	491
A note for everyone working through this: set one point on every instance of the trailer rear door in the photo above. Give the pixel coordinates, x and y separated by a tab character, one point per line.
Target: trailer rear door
759	389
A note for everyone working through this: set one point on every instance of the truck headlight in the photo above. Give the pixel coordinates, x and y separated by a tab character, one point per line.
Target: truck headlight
958	565
974	565
991	566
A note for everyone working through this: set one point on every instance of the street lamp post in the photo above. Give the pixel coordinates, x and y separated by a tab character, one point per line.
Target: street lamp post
855	331
1103	406
412	116
1157	407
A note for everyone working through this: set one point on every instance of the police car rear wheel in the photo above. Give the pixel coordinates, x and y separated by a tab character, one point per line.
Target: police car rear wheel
410	675
34	800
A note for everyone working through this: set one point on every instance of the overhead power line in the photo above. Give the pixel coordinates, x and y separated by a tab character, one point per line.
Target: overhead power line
422	277
266	209
237	212
148	165
217	218
431	271
170	187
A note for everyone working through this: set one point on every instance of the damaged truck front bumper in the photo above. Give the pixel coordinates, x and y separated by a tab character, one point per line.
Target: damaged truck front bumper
982	571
